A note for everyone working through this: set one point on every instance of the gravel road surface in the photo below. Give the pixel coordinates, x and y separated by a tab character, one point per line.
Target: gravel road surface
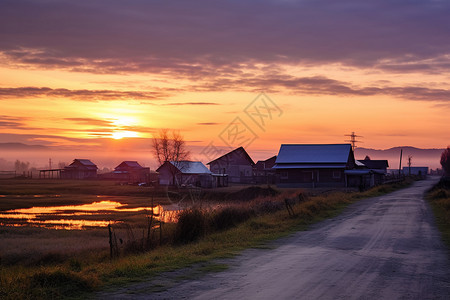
386	247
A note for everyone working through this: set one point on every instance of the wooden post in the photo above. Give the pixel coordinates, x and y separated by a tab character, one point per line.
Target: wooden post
110	242
289	207
160	230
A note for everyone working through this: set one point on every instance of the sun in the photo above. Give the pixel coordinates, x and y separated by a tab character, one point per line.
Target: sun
120	134
121	127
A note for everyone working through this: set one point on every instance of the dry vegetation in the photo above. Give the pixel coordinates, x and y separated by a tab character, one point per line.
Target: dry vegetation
439	197
203	232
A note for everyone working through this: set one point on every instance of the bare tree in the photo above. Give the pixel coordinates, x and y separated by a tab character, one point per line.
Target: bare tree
169	146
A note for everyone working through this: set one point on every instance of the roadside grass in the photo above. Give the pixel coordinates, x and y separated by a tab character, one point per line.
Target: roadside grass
265	219
439	198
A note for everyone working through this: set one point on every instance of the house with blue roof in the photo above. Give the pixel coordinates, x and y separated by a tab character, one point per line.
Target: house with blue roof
314	165
184	173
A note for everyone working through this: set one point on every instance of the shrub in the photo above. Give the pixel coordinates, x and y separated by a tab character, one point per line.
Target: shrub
59	284
445	161
230	217
191	226
253	192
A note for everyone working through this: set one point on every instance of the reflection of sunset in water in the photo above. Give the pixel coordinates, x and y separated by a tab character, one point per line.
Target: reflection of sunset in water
35	216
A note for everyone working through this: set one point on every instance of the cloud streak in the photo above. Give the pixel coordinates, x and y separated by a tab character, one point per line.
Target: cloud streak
190	103
321	85
203	38
80	95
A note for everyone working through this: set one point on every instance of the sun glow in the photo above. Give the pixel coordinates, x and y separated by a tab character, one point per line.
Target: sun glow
117	135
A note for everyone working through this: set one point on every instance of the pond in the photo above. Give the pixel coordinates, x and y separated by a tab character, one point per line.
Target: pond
69	217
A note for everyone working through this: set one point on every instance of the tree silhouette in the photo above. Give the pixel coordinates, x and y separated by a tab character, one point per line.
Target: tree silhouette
21	166
445	161
169	146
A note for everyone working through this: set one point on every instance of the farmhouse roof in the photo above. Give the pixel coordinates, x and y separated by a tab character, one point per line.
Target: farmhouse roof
375	164
313	153
130	164
189	167
84	163
238	151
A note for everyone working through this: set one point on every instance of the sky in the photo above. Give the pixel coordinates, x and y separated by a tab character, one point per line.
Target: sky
105	76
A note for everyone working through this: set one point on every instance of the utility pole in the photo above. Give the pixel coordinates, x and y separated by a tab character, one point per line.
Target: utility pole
400	166
49	163
353	140
409	164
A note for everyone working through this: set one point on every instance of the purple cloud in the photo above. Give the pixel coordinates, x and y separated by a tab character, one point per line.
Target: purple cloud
83	95
203	38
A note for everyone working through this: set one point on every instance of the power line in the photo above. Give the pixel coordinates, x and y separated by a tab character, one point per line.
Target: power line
353	140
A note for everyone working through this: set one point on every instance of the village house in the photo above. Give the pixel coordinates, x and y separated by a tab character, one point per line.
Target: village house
131	172
185	173
237	164
314	165
375	164
263	171
368	173
80	169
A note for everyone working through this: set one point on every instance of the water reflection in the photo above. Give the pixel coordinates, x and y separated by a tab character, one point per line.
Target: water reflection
56	217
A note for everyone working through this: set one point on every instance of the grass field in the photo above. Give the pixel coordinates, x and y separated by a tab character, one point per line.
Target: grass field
42	263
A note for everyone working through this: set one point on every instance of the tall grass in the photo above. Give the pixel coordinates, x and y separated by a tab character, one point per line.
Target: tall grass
439	198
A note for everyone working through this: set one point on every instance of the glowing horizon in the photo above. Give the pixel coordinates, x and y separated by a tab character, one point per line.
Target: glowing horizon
80	88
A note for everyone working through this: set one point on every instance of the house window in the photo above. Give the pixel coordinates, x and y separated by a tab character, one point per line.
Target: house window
337	174
284	175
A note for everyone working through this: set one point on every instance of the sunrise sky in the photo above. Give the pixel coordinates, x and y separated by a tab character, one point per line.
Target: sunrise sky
106	75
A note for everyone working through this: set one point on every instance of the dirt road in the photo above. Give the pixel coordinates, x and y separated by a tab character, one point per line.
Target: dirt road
379	248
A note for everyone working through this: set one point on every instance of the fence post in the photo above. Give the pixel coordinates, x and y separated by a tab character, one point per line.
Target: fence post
110	242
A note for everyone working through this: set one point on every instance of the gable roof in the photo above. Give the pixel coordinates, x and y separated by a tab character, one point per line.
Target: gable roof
86	163
314	156
313	153
238	151
129	164
375	164
266	164
188	167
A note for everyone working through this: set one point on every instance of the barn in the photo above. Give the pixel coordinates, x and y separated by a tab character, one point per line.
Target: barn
80	169
237	164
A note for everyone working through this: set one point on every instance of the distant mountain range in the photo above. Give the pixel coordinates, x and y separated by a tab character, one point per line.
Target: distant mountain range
419	157
21	146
